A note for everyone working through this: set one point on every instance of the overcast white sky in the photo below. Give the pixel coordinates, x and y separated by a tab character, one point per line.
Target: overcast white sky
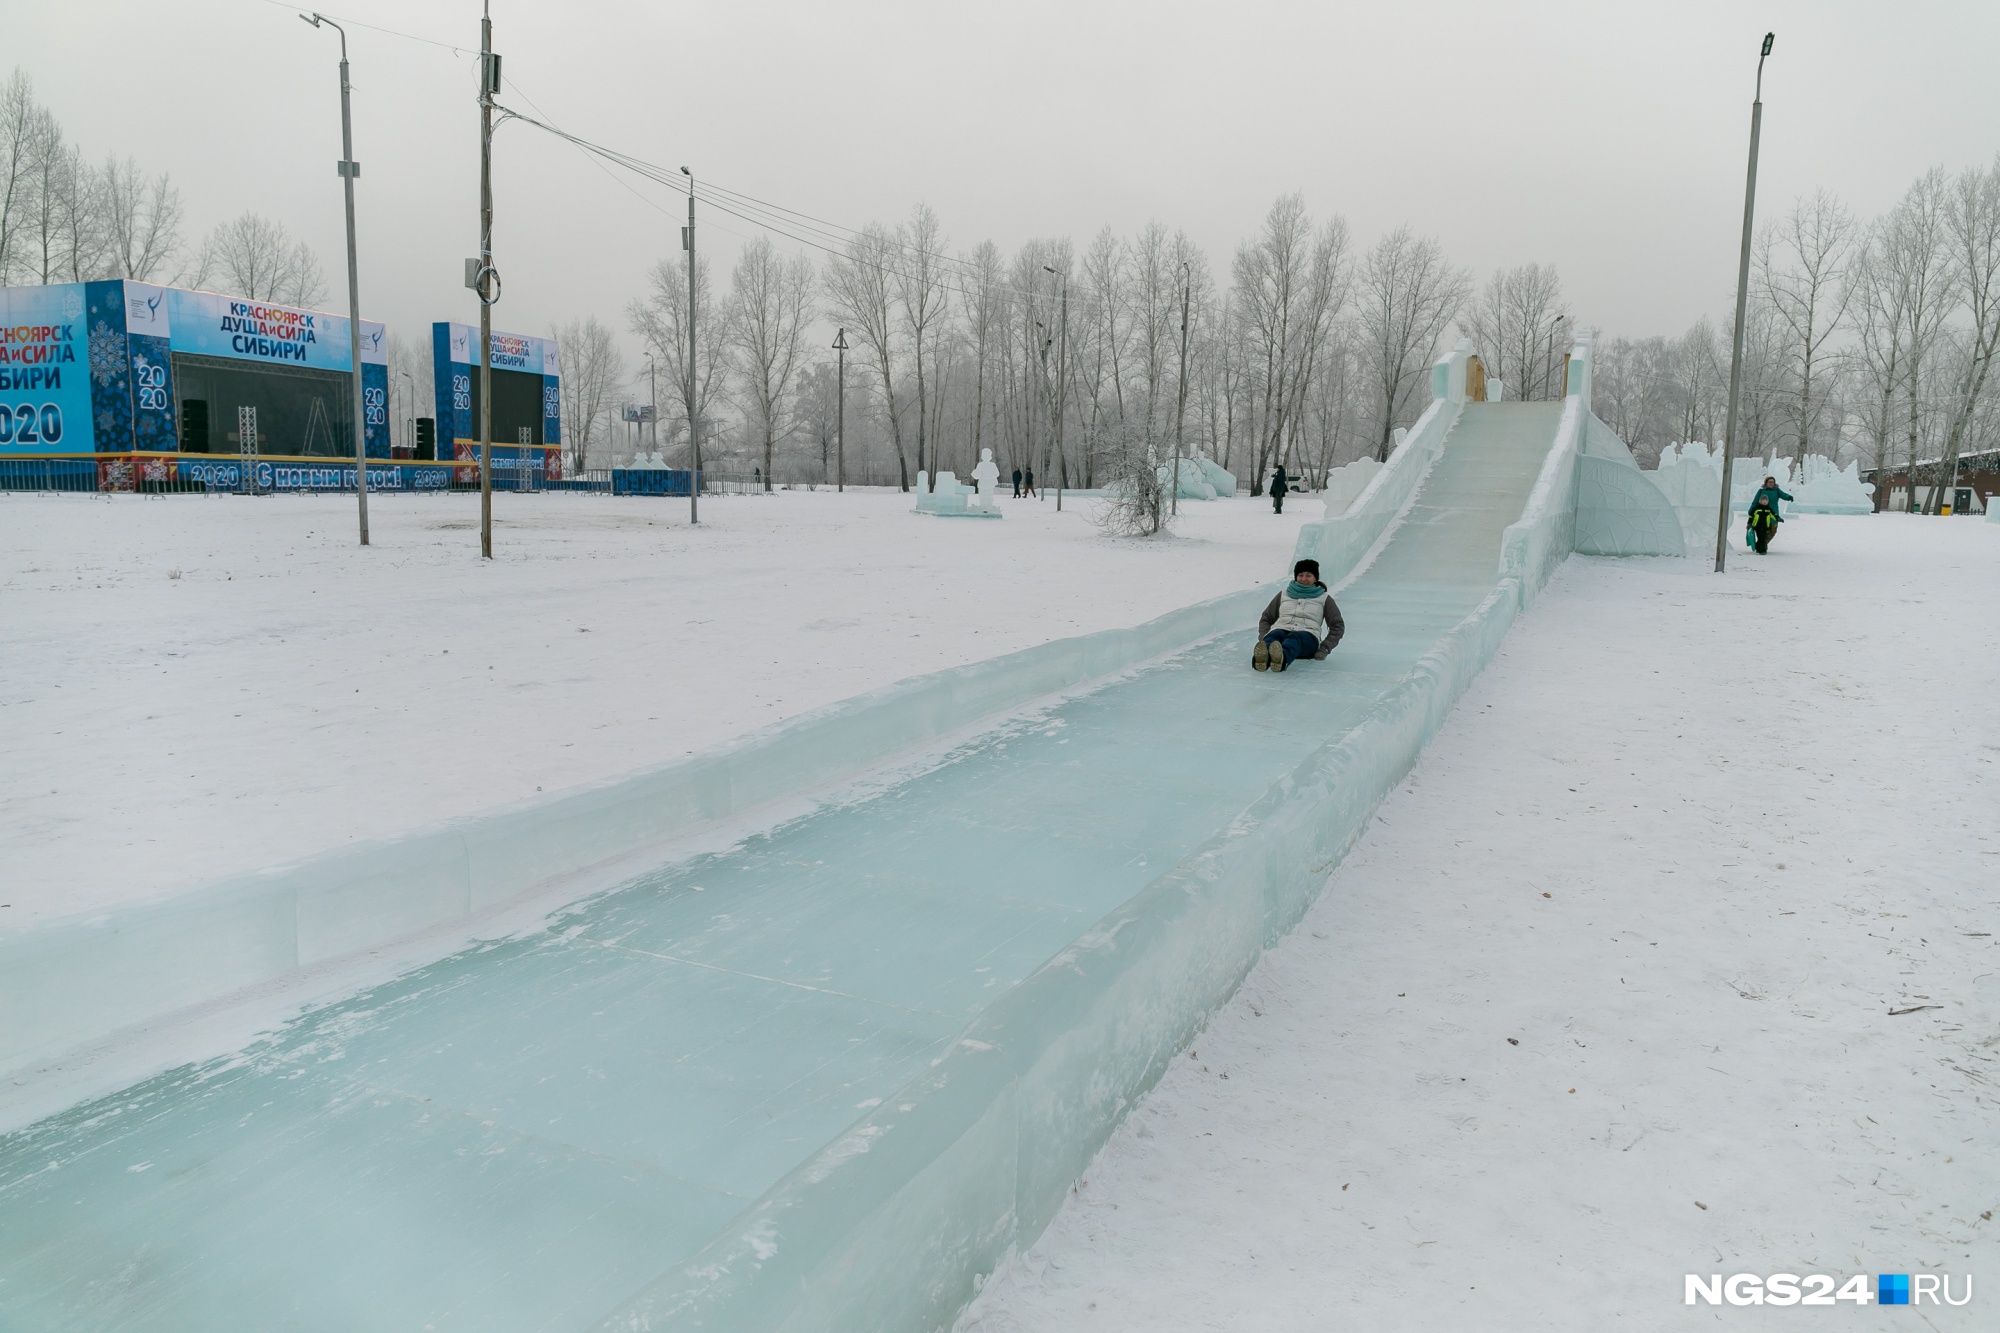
1607	139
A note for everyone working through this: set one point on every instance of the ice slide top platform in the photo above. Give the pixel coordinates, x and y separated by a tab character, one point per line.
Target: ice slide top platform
816	1081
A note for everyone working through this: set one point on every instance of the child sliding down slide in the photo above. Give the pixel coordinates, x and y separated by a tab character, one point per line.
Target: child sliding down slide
1301	621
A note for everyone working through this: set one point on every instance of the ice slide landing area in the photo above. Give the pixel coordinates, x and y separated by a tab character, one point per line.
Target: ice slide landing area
578	1127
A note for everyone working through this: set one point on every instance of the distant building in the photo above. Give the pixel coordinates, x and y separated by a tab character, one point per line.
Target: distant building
1970	487
527	400
121	367
116	385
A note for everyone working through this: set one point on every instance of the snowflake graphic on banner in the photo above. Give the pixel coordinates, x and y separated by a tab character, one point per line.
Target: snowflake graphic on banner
107	355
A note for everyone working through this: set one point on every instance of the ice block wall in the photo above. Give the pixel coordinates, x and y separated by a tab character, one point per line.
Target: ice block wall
69	983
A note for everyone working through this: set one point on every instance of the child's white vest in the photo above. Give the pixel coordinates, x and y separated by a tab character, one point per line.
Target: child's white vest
1307	614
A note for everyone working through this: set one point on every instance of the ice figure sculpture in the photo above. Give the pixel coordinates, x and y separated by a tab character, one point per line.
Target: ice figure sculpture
986	476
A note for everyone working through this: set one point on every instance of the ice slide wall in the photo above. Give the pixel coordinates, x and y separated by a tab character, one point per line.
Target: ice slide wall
69	985
893	1225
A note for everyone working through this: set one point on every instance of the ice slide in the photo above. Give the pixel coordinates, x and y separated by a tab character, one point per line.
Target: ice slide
823	1079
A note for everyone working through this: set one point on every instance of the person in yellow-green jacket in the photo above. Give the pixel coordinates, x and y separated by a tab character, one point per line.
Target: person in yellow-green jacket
1764	515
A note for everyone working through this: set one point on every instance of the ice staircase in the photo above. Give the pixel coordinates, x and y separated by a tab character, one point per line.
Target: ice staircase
588	1127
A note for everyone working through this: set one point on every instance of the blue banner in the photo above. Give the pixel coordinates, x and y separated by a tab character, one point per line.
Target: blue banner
225	473
45	365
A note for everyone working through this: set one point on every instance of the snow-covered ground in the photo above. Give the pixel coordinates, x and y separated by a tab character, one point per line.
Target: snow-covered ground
192	687
1678	953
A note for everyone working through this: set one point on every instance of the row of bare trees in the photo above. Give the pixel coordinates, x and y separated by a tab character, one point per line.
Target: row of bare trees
1080	367
1870	339
64	218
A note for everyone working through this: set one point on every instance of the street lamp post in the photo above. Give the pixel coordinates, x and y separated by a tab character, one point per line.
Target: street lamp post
1062	385
411	418
1742	296
693	383
348	169
1549	356
840	414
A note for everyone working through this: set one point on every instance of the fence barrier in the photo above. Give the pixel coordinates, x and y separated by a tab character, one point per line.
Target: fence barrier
269	474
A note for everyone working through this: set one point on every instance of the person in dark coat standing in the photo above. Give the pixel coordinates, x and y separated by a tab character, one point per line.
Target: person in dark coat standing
1017	483
1278	488
1029	484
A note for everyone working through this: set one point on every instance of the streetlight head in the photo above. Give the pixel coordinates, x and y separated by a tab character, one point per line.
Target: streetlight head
1769	37
311	18
686	172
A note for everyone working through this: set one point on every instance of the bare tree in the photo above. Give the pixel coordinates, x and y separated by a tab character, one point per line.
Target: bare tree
1409	297
142	220
1915	253
859	285
1106	273
1972	222
410	384
1291	283
1802	273
818	405
1517	322
57	235
770	310
23	126
257	258
984	318
593	372
920	290
661	319
1154	282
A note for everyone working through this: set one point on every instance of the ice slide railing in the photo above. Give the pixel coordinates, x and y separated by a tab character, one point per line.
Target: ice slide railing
1590	496
69	985
1341	542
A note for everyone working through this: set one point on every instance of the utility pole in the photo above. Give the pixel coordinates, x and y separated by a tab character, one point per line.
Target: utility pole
488	283
693	382
347	168
1062	381
1742	298
653	397
1048	397
1549	358
840	417
1180	407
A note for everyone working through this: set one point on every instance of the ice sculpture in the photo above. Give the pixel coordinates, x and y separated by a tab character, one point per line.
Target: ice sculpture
986	476
1690	475
947	497
1619	511
1344	484
1200	479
